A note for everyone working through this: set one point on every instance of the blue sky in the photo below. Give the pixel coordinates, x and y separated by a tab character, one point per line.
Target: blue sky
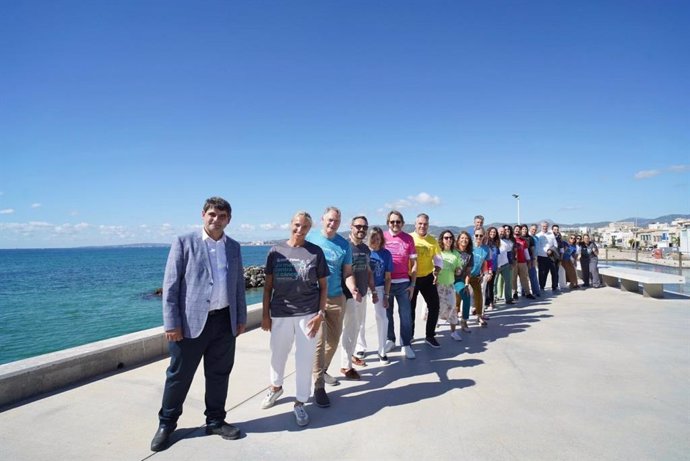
118	118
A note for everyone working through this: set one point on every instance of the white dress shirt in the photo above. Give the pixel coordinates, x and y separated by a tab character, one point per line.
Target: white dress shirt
219	271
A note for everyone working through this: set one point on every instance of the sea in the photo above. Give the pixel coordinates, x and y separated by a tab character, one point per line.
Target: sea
53	299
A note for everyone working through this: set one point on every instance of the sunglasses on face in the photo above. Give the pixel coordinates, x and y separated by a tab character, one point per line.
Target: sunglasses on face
479	235
360	226
394	222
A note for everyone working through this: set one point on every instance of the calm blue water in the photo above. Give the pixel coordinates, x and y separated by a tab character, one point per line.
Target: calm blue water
682	289
52	299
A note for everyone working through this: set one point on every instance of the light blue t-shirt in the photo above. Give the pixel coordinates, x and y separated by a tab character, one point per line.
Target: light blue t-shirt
481	254
337	252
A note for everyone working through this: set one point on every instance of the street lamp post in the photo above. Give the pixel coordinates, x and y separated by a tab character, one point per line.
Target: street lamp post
517	197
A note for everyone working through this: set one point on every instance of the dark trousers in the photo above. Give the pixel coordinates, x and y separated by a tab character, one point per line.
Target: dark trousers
425	285
584	266
489	290
547	266
216	344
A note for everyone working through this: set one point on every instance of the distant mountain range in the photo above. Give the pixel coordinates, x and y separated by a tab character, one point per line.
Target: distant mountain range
436	230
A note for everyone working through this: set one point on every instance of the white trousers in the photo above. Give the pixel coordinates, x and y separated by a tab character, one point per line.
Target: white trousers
285	331
381	320
353	318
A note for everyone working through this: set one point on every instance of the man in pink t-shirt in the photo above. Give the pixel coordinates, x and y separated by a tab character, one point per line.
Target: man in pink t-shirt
403	278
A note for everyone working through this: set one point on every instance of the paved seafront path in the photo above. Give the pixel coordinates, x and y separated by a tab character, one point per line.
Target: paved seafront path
595	374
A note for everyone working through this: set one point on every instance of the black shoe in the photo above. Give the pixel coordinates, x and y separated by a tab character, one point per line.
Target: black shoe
321	398
161	440
433	343
383	359
530	297
510	302
225	430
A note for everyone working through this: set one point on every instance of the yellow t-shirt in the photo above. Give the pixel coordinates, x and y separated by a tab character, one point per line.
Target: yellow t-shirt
427	247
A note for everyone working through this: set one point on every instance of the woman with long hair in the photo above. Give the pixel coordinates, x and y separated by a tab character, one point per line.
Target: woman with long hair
381	262
493	243
462	279
445	281
504	264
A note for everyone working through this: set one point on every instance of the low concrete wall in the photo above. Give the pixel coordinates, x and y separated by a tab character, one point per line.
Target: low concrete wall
34	376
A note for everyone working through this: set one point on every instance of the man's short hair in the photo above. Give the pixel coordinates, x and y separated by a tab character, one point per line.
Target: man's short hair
218	203
332	208
396	212
359	217
423	215
479	217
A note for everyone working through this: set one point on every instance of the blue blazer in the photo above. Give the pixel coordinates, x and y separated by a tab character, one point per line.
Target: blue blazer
188	283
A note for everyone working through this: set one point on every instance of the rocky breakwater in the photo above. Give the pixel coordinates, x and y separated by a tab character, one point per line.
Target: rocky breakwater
254	276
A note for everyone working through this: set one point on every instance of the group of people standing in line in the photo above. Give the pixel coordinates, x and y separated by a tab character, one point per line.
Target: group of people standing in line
317	284
316	291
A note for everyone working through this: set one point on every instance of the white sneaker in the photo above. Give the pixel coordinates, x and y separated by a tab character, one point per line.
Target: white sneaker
301	415
409	353
271	398
456	335
390	345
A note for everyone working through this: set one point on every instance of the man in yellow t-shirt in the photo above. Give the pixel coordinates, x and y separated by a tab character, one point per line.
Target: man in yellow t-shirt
429	263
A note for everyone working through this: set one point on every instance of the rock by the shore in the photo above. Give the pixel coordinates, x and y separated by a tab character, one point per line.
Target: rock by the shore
254	277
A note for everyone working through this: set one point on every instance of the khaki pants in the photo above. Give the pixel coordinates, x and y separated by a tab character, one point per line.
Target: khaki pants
478	303
327	338
522	272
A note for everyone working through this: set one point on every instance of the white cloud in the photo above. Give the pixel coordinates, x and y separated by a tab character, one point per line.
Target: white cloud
247	227
285	226
422	198
70	229
35	205
644	174
7	211
115	231
269	226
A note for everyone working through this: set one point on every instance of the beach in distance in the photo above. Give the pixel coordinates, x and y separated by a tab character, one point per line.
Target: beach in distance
53	299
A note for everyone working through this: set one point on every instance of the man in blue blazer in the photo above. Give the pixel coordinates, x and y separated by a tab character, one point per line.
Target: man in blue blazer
204	310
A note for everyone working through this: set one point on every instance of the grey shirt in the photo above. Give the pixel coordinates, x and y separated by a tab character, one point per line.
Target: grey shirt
361	254
296	272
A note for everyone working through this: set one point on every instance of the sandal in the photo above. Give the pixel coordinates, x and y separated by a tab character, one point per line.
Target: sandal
359	362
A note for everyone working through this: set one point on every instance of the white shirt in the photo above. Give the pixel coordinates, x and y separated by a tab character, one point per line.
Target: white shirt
506	246
219	271
546	241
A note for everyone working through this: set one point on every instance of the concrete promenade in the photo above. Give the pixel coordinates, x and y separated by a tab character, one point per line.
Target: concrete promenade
595	374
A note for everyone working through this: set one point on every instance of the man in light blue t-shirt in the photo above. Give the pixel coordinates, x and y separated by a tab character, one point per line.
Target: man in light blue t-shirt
339	258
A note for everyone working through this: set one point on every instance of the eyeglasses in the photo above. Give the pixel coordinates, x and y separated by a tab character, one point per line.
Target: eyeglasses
360	226
447	237
394	222
479	235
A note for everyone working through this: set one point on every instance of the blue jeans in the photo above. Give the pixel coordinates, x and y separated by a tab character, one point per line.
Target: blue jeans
399	292
533	281
465	299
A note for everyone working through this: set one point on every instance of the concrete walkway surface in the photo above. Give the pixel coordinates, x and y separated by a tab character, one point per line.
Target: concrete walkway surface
590	374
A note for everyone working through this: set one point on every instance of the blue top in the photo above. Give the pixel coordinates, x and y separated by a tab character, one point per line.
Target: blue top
381	261
569	251
481	254
337	252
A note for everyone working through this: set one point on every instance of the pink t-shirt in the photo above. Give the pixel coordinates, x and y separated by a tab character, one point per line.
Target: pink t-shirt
402	249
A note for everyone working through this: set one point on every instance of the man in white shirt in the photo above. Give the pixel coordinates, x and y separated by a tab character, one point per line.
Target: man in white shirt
547	252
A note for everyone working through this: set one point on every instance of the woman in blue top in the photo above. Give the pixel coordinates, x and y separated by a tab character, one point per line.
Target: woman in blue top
569	260
381	262
493	243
